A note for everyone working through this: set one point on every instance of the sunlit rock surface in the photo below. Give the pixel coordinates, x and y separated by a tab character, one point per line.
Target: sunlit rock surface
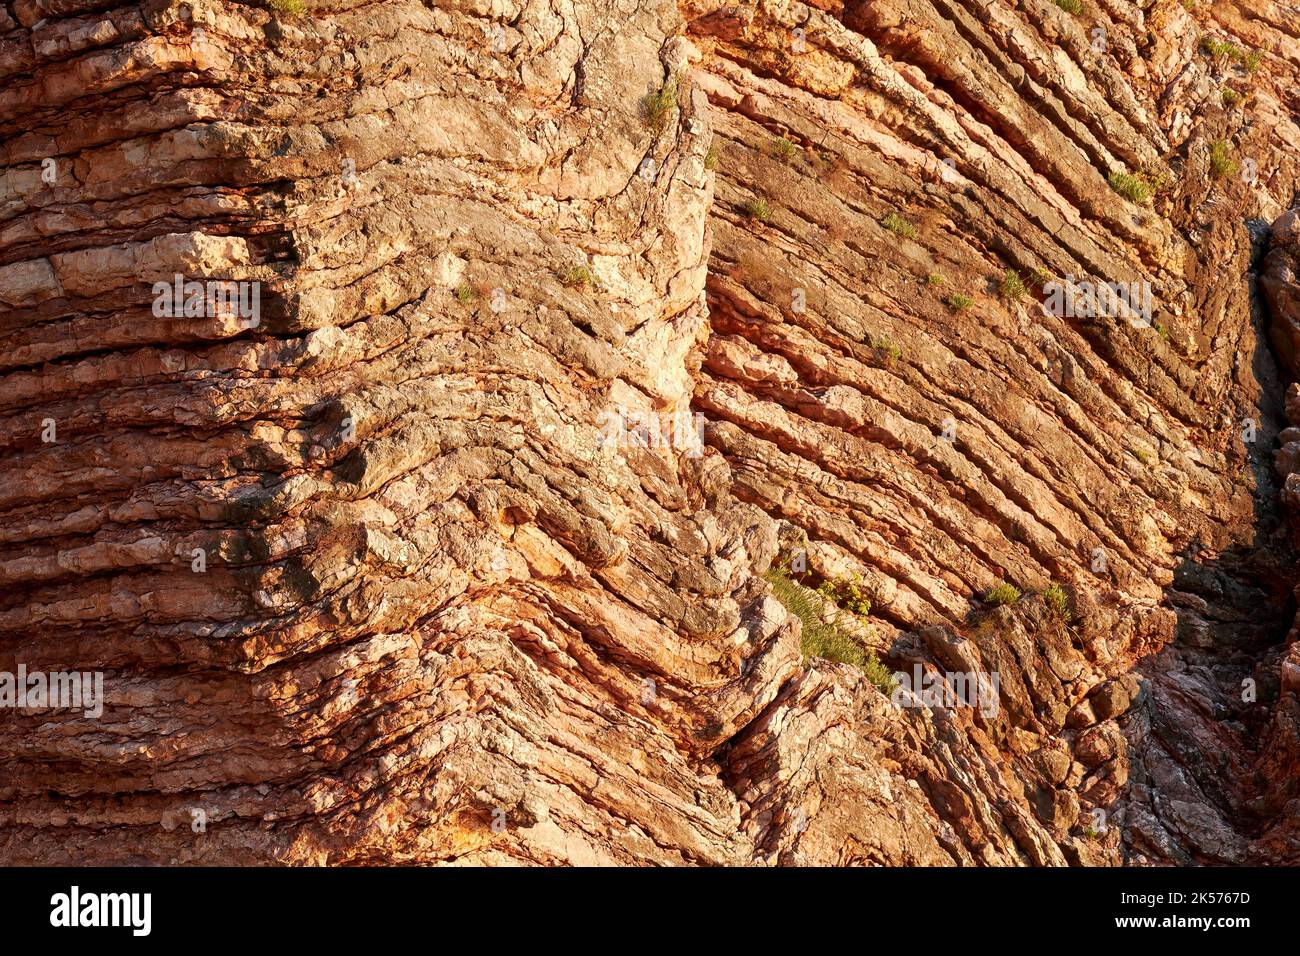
380	575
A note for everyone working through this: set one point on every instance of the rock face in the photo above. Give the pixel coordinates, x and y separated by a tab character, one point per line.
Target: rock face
562	326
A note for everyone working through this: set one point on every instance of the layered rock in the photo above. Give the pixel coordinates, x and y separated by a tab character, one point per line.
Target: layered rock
385	576
431	601
903	154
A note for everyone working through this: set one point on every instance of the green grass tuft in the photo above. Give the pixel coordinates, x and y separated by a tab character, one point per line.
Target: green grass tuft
1003	594
1221	162
960	303
849	595
1220	48
1230	96
878	673
1058	601
758	209
288	8
1132	188
711	158
933	279
887	346
1248	60
576	276
466	294
1013	287
899	226
821	638
658	106
784	150
1071	6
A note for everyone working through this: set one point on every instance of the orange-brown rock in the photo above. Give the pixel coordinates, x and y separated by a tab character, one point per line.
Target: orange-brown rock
382	575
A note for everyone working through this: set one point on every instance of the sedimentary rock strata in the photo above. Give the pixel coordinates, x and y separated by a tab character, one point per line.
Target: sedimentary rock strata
460	531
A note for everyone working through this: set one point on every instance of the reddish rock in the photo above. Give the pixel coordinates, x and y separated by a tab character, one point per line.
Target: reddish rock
429	561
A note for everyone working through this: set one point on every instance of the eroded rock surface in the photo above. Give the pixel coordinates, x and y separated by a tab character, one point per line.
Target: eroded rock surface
369	582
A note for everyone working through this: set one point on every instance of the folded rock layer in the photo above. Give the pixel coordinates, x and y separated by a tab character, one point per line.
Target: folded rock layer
568	324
